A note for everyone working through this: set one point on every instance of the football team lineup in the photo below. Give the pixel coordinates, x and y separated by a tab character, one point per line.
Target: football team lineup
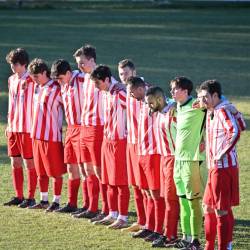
126	148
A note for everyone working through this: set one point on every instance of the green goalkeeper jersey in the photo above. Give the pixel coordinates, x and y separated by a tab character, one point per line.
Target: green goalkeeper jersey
190	133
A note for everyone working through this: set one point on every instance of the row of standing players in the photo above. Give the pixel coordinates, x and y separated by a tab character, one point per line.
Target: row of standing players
121	134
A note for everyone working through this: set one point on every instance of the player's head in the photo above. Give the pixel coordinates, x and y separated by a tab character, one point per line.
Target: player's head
210	93
155	98
86	58
39	71
136	87
61	71
101	76
181	88
126	68
18	60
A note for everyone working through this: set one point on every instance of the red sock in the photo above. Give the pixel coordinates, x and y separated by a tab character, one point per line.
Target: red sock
141	215
210	230
57	185
103	191
159	214
172	213
85	195
123	200
113	198
222	231
73	187
145	203
150	215
17	178
32	181
231	225
43	183
93	191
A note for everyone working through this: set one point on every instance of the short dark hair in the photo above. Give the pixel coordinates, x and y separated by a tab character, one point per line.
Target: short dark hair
155	91
101	72
126	63
87	50
212	86
135	82
18	55
38	66
60	67
183	82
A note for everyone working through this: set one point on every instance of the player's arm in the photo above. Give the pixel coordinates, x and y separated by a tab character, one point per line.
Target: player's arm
232	132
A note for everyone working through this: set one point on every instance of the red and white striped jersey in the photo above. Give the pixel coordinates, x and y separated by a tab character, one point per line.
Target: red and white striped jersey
48	112
167	131
72	96
148	132
114	103
20	103
222	134
133	112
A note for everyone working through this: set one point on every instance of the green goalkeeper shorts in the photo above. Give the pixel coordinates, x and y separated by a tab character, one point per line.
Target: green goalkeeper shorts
190	178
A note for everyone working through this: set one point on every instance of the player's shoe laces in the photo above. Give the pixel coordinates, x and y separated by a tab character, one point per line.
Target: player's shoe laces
160	242
170	243
99	217
79	210
53	207
142	233
180	244
152	237
40	205
118	224
194	245
66	209
108	220
87	215
135	227
14	201
27	203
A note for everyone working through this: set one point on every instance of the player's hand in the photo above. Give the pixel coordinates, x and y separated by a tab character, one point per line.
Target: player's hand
6	132
196	104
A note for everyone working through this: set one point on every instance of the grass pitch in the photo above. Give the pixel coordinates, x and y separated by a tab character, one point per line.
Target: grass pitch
199	43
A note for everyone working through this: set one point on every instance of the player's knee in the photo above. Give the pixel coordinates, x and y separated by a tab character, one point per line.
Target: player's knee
207	209
29	163
16	162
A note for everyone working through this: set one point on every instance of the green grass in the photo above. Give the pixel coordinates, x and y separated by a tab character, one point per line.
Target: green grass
199	43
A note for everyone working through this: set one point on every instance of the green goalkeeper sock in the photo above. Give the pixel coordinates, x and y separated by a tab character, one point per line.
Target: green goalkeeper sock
195	218
185	217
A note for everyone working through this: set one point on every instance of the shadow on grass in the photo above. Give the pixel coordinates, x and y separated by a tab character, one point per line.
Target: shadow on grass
242	234
4	159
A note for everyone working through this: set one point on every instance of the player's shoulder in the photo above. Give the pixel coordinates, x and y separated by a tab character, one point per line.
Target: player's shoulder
119	88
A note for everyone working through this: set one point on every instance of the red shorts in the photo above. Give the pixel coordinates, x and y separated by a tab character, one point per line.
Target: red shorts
222	190
114	170
91	143
20	145
72	152
133	165
48	158
149	166
168	189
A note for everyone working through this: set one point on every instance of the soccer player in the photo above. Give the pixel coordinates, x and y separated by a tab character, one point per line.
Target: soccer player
91	135
47	134
21	89
149	164
114	170
126	69
189	170
222	190
166	123
72	95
